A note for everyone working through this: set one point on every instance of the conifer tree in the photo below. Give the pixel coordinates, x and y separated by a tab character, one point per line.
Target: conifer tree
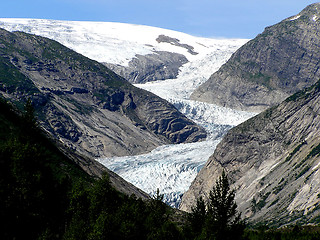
221	218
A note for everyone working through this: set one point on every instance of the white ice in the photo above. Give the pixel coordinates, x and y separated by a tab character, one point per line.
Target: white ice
171	168
112	42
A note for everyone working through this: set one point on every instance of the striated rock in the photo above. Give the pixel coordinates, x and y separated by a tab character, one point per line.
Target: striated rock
85	105
277	63
273	161
151	67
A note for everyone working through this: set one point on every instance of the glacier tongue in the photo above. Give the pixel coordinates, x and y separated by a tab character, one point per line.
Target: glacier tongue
169	168
172	168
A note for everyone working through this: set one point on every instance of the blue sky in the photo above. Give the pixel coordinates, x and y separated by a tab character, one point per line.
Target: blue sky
207	18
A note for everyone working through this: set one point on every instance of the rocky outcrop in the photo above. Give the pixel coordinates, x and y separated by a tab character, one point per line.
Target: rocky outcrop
150	67
85	105
175	42
277	63
273	161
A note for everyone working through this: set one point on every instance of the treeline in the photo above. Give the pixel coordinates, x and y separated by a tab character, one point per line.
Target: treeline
44	195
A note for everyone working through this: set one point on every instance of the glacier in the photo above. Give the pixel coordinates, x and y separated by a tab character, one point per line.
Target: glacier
170	168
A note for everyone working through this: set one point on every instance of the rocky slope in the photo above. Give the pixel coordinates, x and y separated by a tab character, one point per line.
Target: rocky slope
277	63
273	161
84	104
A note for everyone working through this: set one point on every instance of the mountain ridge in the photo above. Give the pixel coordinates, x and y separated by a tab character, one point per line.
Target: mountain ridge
273	158
70	89
277	63
273	162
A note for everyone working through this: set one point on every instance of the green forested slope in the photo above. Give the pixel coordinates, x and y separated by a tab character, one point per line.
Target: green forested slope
44	195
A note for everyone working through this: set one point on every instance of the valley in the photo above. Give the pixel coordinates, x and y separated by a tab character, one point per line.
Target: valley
172	168
169	168
169	112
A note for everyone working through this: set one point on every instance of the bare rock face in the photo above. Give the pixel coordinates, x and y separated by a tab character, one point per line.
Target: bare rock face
273	161
85	105
151	67
175	42
277	63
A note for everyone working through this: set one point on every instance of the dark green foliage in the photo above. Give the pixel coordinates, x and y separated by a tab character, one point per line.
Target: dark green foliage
305	93
218	219
262	202
295	151
43	195
315	151
100	212
12	80
33	200
197	217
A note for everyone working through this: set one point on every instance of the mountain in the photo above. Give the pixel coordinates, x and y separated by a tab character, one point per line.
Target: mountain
277	63
136	52
84	104
273	161
171	168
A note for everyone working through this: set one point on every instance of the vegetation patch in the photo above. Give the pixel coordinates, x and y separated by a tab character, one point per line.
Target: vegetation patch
315	151
280	186
295	232
260	78
257	206
294	151
12	80
303	94
304	171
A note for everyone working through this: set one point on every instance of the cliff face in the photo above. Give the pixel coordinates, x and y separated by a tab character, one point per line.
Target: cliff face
277	63
273	162
85	105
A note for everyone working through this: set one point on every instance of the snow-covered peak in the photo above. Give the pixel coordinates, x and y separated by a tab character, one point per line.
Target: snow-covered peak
116	43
